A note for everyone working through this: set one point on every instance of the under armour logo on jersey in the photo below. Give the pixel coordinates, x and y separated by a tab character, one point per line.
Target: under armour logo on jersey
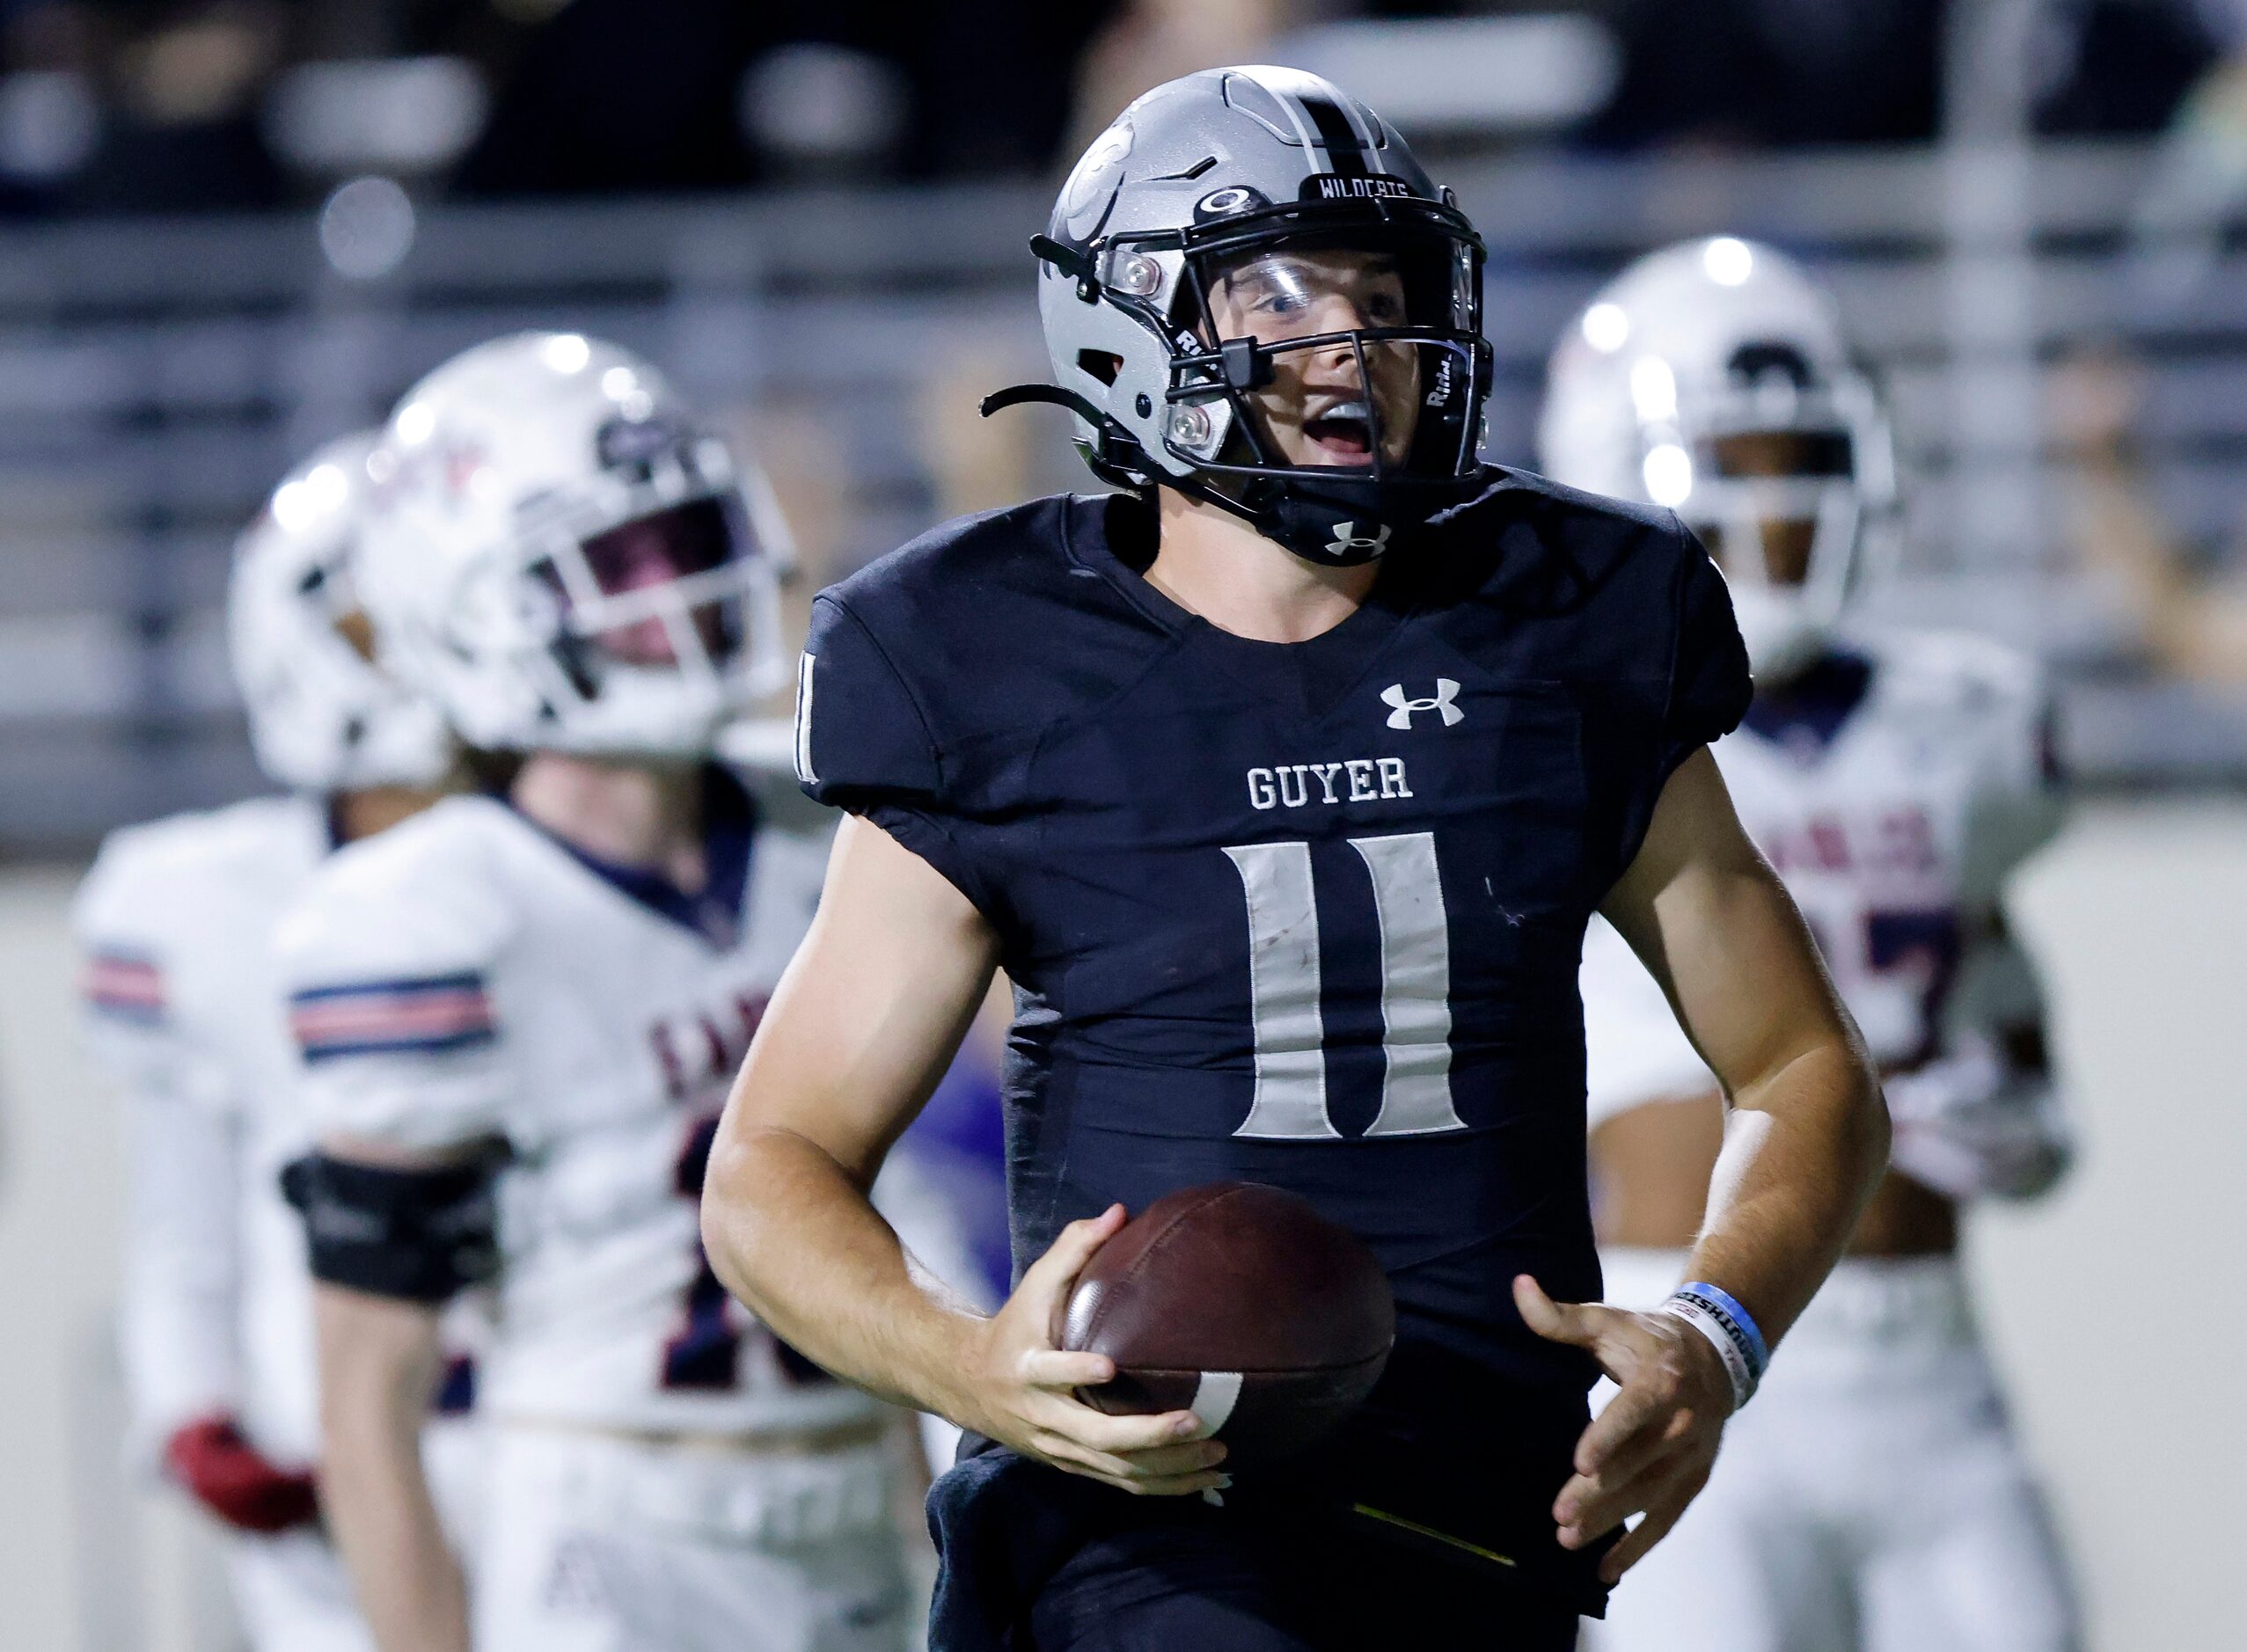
1440	701
1347	538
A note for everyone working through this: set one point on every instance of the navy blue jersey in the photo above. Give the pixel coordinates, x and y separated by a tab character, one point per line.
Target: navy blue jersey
1308	914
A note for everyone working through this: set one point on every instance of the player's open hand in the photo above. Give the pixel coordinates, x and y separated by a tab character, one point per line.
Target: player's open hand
1023	1388
1650	1452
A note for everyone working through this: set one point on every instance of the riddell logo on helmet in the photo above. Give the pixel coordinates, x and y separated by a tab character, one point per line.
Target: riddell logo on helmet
1334	187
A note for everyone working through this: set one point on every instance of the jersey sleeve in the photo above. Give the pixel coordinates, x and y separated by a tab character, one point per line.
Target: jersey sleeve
1634	1051
126	920
177	1309
863	743
179	1306
1710	689
2018	804
389	961
1693	690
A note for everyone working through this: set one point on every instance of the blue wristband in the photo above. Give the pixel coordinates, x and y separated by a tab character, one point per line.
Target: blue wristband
1730	1330
1759	1355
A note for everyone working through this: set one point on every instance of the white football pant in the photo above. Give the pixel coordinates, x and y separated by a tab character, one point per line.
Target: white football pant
291	1592
1869	1499
594	1543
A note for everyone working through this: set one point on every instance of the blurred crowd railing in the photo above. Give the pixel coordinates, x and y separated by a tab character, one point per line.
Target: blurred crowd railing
156	376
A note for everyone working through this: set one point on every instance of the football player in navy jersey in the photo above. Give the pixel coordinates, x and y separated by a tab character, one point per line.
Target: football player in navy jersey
1283	784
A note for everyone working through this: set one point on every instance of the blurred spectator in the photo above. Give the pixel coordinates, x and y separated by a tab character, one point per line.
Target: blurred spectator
2111	68
1744	73
177	90
992	80
2180	225
615	96
2191	616
1147	42
1751	72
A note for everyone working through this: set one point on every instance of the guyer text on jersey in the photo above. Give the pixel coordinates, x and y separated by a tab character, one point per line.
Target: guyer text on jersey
1316	784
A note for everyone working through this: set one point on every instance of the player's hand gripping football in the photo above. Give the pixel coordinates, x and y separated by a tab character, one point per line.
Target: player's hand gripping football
1651	1450
1022	1387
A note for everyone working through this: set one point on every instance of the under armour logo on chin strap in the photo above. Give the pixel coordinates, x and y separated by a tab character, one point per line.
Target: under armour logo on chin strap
1347	538
1446	692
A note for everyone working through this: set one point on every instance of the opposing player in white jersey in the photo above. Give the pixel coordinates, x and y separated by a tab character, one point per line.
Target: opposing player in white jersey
1871	1499
186	1010
518	1017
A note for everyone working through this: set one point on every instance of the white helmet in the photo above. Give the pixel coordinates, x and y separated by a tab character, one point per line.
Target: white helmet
1713	377
323	718
568	558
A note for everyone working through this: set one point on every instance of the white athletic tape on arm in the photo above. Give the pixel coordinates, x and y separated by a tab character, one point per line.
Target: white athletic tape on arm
1214	1398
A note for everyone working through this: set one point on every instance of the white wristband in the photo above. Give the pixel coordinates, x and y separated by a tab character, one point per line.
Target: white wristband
1731	1330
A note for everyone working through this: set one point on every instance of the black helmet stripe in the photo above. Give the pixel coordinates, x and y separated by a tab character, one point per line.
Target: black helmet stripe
1328	127
1338	140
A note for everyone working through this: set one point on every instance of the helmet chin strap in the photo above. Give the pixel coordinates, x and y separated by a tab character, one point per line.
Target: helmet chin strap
1122	445
1025	395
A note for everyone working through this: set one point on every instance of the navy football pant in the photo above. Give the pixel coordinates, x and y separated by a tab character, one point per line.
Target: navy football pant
1165	1589
1033	1561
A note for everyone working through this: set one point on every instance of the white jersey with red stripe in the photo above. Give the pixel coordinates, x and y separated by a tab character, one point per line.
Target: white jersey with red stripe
184	1010
469	976
1892	788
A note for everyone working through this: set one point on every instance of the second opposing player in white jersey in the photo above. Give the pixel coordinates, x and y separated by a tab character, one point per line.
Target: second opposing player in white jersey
185	1009
1871	1499
518	1017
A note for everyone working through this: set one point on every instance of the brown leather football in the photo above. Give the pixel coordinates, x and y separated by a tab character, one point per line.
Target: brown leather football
1239	1301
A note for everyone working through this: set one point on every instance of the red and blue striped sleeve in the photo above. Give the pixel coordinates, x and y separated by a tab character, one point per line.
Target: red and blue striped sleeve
400	1015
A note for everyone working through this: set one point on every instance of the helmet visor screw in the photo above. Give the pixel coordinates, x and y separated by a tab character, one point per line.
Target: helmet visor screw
1189	426
1138	275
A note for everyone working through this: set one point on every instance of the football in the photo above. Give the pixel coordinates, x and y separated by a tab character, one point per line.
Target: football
1241	1302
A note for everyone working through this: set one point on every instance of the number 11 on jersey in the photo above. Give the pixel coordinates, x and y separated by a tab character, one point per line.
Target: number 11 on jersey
1283	976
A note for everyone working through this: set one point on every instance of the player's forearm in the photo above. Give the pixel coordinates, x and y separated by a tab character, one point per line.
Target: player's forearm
408	1583
180	1312
374	1384
1803	1149
794	1237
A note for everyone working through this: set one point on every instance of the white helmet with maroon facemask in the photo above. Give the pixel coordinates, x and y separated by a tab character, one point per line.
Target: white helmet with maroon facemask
1253	294
1713	377
324	717
567	559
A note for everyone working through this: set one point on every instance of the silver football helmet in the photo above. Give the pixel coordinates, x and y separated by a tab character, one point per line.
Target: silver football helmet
324	716
1252	293
568	558
1713	377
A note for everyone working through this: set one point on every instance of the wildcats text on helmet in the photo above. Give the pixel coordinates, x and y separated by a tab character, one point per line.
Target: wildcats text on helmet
1334	187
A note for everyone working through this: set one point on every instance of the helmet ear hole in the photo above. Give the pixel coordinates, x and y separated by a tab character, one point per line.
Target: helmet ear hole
1103	365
